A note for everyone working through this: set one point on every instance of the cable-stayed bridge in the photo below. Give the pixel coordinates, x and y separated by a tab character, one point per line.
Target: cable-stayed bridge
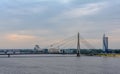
75	42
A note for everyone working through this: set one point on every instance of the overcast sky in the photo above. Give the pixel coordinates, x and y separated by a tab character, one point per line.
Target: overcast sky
24	23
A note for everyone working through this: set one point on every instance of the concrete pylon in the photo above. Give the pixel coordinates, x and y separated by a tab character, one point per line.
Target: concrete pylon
78	45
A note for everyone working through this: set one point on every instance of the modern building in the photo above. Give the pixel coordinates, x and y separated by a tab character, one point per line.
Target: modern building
68	51
105	44
45	51
53	50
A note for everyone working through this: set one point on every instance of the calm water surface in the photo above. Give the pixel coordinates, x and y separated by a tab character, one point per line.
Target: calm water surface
55	64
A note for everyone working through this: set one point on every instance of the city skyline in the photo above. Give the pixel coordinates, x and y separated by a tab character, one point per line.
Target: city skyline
25	23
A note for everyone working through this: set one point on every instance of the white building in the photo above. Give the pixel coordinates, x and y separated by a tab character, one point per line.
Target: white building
53	50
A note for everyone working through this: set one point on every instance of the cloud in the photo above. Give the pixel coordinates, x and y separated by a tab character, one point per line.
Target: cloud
27	10
17	41
87	10
64	1
38	1
17	37
84	10
29	34
26	39
10	22
30	22
35	32
114	35
91	43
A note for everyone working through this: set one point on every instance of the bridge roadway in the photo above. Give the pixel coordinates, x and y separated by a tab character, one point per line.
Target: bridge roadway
43	54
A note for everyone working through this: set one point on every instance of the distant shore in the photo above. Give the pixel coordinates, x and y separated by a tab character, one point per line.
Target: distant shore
108	55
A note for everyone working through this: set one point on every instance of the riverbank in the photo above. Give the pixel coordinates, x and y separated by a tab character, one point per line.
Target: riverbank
108	55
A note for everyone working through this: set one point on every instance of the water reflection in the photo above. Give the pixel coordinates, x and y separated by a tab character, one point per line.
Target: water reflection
59	65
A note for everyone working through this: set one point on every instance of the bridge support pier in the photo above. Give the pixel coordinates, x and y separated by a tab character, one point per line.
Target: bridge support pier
8	55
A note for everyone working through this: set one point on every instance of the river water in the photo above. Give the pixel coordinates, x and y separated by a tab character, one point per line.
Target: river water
59	64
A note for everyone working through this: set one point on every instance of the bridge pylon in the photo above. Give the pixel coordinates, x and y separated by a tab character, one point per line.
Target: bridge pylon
78	45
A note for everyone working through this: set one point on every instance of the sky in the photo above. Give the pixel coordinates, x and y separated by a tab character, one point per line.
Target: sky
25	23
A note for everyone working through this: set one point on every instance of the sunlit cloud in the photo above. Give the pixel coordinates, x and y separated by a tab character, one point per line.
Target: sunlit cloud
92	43
114	35
17	37
38	32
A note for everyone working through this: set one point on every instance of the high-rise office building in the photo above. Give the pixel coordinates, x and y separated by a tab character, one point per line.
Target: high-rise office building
105	43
